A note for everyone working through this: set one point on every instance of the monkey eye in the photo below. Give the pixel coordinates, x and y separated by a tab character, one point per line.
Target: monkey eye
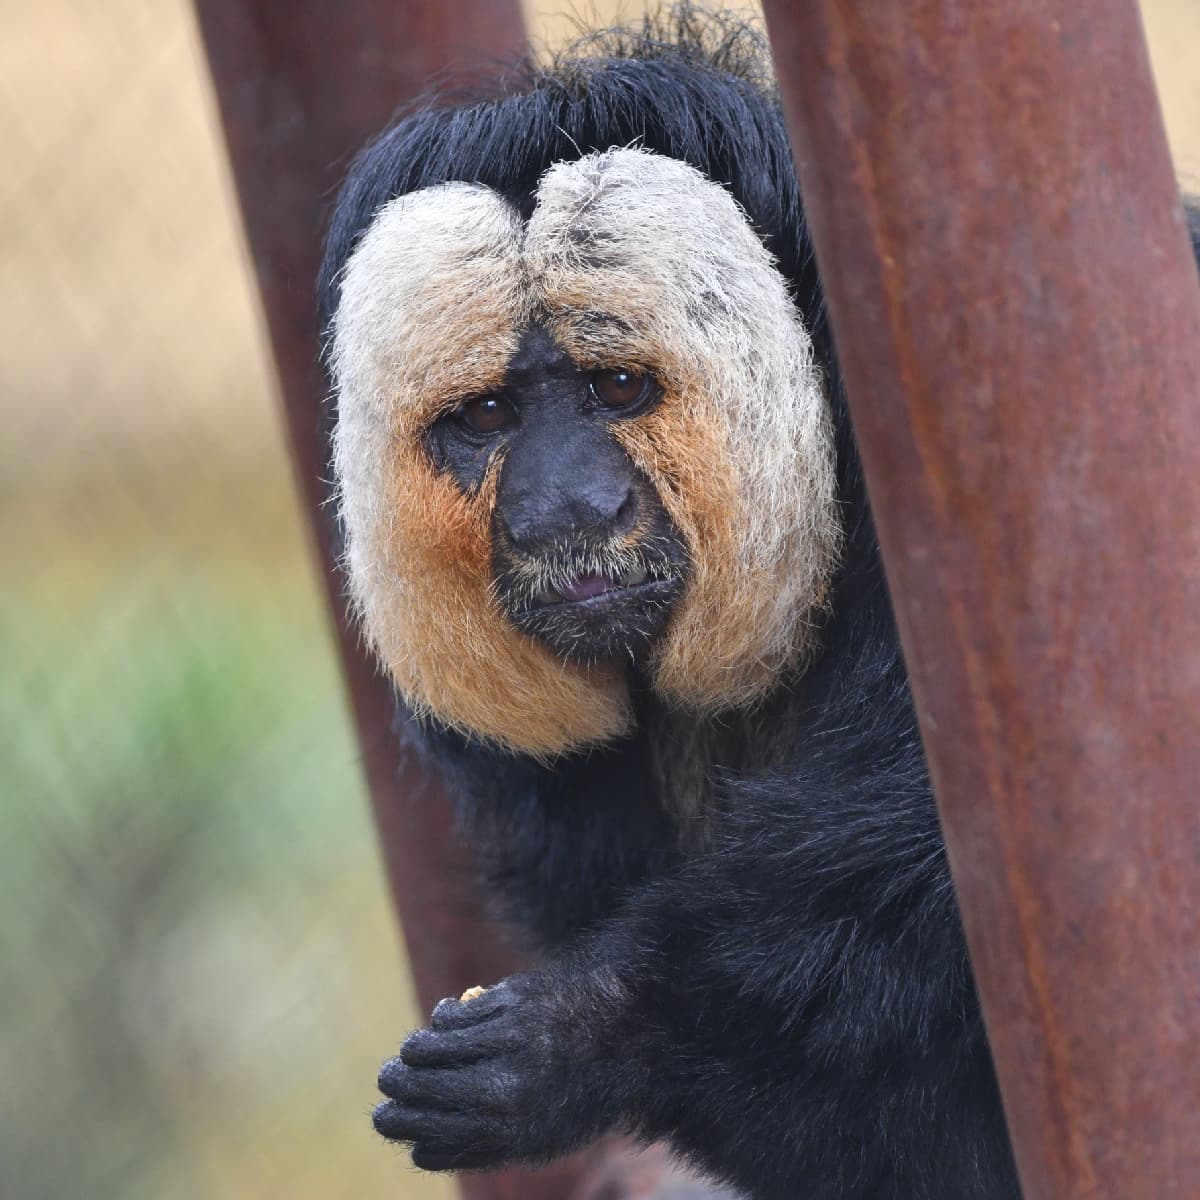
485	414
620	388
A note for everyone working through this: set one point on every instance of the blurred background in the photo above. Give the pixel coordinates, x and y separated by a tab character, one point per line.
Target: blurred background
199	969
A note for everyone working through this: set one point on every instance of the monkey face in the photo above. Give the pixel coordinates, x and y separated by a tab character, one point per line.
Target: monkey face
568	444
585	558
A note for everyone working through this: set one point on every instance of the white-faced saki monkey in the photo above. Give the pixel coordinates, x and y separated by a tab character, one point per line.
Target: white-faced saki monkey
605	525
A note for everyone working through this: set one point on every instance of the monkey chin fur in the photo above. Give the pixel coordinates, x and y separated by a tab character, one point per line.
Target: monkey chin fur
629	258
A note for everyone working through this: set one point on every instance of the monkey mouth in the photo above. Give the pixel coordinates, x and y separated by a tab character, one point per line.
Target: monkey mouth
594	615
591	585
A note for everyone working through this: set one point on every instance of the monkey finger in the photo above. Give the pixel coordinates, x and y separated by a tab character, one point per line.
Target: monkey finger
438	1048
453	1013
442	1130
431	1157
447	1088
396	1081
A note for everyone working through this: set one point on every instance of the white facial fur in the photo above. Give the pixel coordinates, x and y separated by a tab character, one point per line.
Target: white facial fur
631	259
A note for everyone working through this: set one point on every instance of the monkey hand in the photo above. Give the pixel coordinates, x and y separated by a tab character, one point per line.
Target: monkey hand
515	1074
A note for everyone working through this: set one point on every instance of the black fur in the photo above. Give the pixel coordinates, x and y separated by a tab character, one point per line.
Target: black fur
777	983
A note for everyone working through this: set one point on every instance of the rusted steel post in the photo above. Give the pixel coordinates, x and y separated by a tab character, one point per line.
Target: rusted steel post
1018	315
300	87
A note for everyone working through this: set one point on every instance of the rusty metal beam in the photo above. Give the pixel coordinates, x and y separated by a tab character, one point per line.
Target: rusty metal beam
300	87
1017	312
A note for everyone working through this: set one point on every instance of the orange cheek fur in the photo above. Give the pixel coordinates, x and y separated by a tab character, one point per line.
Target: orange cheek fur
451	649
708	658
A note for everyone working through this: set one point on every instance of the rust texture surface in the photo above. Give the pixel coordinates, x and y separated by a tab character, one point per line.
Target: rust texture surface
300	87
1018	314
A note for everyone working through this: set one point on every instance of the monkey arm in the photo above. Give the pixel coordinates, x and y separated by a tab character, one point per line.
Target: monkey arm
799	994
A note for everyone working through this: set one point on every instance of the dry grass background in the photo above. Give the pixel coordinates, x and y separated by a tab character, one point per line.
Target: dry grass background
198	971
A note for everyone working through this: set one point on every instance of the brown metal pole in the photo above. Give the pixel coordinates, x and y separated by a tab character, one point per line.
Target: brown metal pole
300	87
1018	316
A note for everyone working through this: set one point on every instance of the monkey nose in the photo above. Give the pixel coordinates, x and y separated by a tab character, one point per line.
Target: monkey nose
537	523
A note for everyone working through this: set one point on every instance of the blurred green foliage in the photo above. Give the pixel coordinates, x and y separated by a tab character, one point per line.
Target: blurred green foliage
198	969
